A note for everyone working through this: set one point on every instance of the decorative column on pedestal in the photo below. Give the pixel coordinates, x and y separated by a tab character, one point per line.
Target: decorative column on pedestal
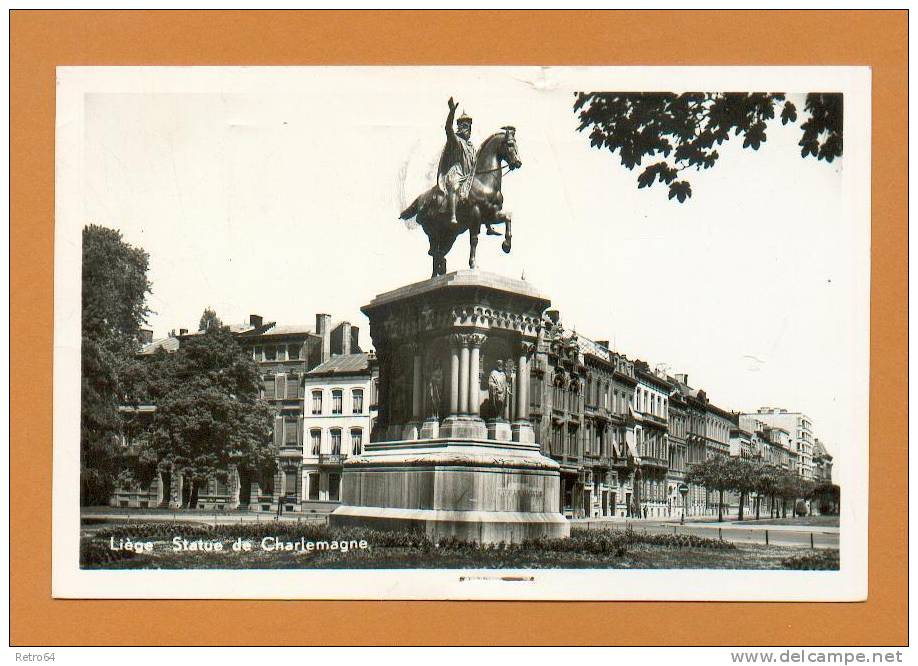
476	340
464	420
413	427
454	344
522	427
511	387
463	374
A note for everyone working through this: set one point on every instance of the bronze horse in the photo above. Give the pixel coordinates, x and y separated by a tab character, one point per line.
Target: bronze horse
483	203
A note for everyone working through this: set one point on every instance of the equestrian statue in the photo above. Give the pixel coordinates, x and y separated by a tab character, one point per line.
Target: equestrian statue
467	193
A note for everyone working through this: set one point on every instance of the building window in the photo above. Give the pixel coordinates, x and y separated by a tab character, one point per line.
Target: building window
313	481
337	402
357	401
290	428
317	402
270	353
280	383
290	484
336	441
258	353
334	487
315	437
356	441
293	352
293	387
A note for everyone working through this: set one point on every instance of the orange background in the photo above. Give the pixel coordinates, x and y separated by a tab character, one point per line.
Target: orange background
41	40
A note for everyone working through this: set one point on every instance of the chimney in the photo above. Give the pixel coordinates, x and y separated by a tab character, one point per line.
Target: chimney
682	378
255	321
323	330
146	336
345	338
355	339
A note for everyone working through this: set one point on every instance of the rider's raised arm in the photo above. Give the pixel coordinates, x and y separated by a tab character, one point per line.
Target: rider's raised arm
450	125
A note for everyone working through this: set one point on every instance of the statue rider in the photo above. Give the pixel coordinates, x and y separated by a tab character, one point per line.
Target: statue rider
457	163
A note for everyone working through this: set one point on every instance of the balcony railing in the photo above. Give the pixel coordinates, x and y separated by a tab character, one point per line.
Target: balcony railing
651	461
331	458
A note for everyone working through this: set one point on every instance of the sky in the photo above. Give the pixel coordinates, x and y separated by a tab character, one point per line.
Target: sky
277	192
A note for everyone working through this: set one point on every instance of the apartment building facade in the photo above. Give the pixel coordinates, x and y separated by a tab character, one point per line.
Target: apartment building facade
285	354
801	430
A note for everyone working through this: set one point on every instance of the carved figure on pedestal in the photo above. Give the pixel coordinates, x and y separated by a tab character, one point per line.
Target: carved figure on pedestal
435	390
498	389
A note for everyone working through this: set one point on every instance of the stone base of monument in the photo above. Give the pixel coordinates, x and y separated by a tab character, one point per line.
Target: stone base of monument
484	491
499	430
430	429
522	432
463	427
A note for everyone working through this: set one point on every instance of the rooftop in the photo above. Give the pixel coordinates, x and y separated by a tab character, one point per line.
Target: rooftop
169	344
347	364
289	329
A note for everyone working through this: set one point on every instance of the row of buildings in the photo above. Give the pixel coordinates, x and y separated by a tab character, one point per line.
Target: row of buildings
624	433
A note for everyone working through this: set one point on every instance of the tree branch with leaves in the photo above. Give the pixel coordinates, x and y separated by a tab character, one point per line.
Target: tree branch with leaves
683	131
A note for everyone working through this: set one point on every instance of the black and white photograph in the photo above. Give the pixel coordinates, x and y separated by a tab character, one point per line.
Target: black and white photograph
462	333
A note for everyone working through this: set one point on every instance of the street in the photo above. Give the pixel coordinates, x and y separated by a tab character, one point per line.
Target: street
760	533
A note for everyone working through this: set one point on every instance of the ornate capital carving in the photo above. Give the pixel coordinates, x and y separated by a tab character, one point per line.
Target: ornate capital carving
527	349
476	339
457	340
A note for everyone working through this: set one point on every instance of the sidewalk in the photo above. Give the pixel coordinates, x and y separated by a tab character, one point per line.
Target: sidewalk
731	523
198	516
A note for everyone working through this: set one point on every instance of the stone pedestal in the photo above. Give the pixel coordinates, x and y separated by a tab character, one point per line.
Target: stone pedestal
435	464
475	490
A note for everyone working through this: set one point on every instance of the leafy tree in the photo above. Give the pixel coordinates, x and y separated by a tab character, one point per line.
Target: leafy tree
742	477
114	290
766	484
209	413
683	131
828	495
793	487
715	475
209	319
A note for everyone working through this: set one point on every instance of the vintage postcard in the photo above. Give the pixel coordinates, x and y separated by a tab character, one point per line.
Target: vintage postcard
462	333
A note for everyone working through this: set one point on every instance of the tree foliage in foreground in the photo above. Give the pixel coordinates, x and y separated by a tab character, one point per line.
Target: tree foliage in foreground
114	291
678	132
209	413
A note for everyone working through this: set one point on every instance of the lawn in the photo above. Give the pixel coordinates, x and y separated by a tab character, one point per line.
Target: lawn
318	547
